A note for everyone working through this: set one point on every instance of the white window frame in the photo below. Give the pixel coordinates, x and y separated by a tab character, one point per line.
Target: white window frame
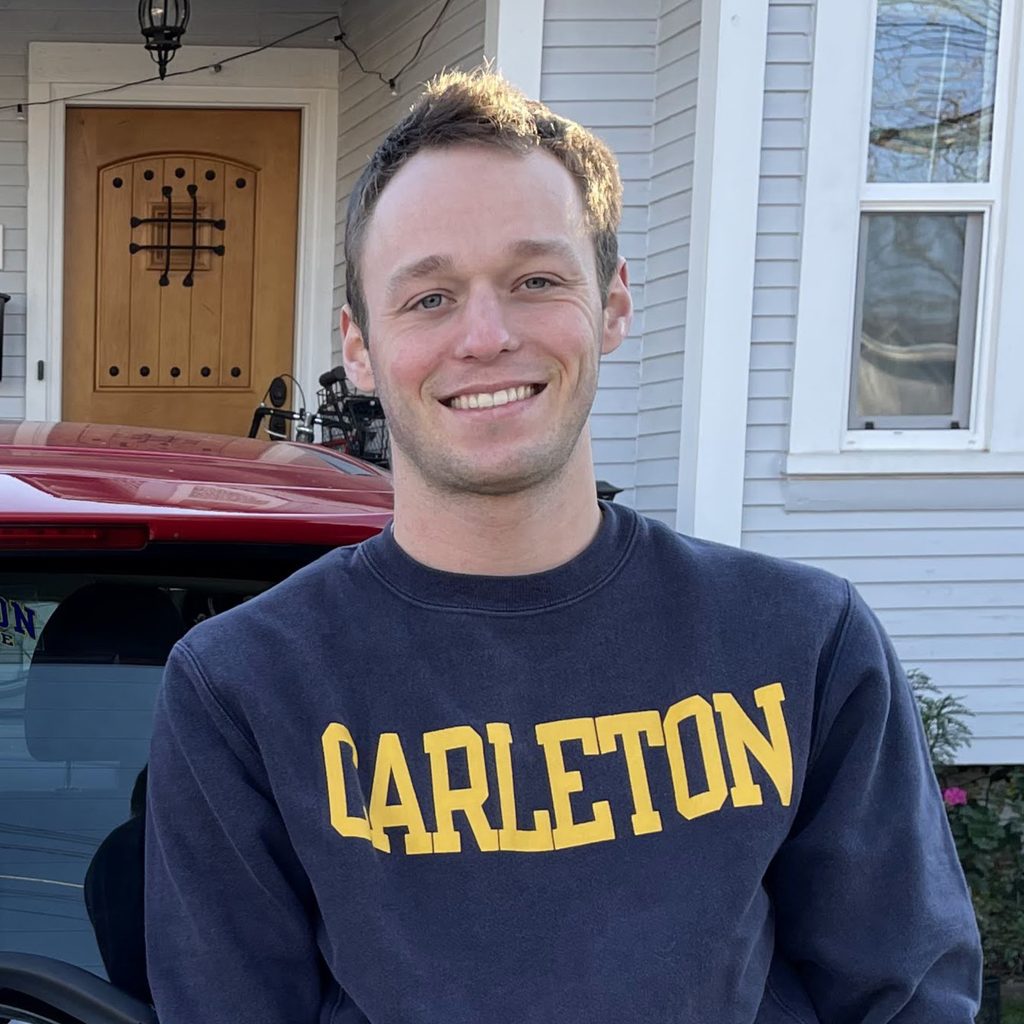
837	192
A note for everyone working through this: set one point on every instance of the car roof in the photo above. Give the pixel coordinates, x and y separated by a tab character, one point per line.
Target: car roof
188	486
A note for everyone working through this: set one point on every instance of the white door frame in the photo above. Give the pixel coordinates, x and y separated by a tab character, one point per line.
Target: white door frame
305	79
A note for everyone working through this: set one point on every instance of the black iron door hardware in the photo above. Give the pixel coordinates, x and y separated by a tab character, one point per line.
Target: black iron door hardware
167	221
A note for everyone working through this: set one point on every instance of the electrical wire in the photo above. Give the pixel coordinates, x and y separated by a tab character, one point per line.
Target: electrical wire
412	60
392	83
213	65
217	65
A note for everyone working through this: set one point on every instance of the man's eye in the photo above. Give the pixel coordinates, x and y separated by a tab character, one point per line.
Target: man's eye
536	283
430	301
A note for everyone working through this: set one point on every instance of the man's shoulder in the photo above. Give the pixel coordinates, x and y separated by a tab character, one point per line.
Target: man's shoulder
733	574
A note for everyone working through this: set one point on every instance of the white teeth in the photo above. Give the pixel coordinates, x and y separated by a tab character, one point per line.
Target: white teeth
487	400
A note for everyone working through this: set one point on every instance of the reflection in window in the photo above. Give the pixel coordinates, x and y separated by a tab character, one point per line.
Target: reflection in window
80	663
933	90
916	303
76	702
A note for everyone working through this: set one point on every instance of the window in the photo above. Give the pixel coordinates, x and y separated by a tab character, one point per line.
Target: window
933	90
915	319
81	657
909	249
916	311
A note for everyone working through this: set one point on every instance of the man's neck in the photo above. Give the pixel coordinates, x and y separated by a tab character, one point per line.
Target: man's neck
508	535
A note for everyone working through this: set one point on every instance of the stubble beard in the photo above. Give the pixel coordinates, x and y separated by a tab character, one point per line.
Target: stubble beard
450	474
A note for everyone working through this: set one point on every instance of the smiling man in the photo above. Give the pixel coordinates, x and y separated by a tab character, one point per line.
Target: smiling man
528	757
490	335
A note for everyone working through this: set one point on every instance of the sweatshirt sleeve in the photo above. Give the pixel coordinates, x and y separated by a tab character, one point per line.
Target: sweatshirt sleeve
230	918
871	904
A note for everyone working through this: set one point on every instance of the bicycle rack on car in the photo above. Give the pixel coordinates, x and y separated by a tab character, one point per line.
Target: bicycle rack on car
351	421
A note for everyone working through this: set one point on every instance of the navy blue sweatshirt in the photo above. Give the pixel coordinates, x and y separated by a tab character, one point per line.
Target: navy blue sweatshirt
668	781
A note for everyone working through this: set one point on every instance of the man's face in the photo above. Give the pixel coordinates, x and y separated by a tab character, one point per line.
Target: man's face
486	324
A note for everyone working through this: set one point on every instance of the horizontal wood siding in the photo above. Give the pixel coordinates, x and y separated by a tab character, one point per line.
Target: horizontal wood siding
385	34
213	23
599	69
945	575
668	258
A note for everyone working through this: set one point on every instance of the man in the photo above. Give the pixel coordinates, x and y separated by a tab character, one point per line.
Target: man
525	757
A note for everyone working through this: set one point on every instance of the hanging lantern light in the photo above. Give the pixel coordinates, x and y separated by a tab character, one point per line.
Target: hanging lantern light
163	23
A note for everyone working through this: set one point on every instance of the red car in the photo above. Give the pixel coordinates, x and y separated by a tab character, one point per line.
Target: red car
114	541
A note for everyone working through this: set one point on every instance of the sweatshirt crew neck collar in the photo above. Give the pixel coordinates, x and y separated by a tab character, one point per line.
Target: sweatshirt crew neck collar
565	583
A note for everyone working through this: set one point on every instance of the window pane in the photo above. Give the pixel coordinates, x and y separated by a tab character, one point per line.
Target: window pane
917	294
81	658
933	88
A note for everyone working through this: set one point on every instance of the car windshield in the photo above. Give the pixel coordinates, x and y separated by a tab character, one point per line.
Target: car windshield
81	656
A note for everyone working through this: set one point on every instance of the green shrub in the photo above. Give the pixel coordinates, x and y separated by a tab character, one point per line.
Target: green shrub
943	715
985	806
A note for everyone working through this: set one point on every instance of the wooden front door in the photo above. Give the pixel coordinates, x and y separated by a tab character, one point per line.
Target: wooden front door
179	264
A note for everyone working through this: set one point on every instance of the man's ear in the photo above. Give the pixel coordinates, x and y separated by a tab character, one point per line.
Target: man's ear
354	353
618	310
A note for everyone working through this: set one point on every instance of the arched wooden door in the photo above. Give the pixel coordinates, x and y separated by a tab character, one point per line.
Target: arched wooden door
179	263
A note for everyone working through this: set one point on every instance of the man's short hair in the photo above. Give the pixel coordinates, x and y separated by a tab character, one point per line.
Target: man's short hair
480	107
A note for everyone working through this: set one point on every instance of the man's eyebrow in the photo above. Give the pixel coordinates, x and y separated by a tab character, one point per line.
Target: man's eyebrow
409	272
528	248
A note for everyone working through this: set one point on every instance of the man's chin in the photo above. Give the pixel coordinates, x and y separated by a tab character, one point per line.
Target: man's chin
517	476
494	485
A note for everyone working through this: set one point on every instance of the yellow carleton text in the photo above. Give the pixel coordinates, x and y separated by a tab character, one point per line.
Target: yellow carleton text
725	735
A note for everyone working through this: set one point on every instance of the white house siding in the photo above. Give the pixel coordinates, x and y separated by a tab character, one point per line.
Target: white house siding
629	74
668	254
385	34
599	69
941	561
213	22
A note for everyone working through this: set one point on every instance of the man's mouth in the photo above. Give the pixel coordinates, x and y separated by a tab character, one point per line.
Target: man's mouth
490	399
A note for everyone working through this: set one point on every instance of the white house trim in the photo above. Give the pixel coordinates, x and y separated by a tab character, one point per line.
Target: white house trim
903	463
835	166
514	38
820	442
716	358
303	79
1007	422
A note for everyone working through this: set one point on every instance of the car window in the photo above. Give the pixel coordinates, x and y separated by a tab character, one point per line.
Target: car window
81	657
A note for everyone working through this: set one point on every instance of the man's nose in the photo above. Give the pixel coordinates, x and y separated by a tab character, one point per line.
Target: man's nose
485	329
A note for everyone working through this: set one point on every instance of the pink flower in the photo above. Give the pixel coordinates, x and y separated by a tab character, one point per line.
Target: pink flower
954	795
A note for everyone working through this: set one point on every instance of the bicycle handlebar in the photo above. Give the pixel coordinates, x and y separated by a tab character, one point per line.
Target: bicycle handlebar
308	420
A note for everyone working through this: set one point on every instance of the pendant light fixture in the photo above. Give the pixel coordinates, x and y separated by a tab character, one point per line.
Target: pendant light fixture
163	23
